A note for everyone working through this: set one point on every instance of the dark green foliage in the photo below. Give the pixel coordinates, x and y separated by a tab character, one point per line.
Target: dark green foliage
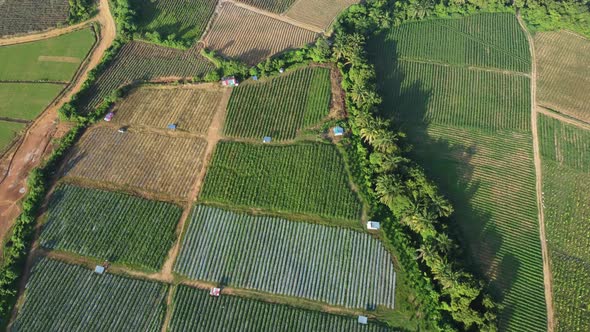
554	15
81	10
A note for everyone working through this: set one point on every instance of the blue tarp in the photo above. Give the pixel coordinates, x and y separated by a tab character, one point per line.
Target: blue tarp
266	139
172	126
338	131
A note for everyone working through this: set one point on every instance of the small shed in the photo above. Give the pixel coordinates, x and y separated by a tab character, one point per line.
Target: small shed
172	126
363	320
281	70
255	78
338	131
109	116
229	81
373	225
215	292
99	269
266	139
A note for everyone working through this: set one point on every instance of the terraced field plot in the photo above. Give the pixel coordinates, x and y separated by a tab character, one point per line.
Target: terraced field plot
22	16
255	37
8	131
25	101
191	108
565	151
563	73
281	106
195	310
62	297
110	226
275	6
150	162
307	178
328	264
319	13
54	59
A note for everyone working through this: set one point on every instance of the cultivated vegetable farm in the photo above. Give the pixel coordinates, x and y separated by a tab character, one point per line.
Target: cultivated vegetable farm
22	16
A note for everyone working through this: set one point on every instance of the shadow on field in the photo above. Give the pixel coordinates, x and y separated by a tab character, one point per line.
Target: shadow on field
449	164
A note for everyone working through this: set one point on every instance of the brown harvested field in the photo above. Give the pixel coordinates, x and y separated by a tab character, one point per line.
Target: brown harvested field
319	13
190	107
563	73
138	161
252	37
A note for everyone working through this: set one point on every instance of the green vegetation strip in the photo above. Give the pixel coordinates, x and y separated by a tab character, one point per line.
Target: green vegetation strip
279	107
26	100
54	59
306	178
63	297
195	310
106	225
328	264
8	131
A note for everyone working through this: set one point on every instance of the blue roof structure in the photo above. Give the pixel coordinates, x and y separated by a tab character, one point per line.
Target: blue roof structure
99	269
338	131
172	126
266	139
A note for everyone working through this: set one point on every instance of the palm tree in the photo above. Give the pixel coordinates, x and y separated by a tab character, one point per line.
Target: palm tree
388	189
425	253
444	243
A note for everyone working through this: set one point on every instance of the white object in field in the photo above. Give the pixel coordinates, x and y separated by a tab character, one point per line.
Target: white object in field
99	269
229	81
215	292
266	139
373	225
338	131
363	320
282	70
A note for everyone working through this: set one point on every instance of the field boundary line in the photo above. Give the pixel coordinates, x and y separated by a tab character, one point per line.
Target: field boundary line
474	68
51	33
563	118
41	81
547	278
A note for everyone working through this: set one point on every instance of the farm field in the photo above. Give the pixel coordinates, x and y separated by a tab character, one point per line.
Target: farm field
328	264
191	108
110	226
305	178
195	310
185	20
61	297
563	73
24	101
8	131
139	61
54	59
146	162
257	38
23	16
319	13
275	6
280	106
478	151
565	152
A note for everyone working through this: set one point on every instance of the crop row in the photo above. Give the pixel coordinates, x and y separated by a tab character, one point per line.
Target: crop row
280	106
328	264
305	178
63	297
564	144
275	6
111	226
319	13
22	16
195	310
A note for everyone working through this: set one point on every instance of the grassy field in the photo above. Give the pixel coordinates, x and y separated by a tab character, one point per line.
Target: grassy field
136	161
8	131
22	16
110	226
319	13
275	6
563	73
191	108
257	38
185	20
62	297
280	106
195	310
25	101
306	178
54	59
476	145
328	264
565	151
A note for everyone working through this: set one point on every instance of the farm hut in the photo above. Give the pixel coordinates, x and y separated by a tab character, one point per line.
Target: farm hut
172	126
363	320
373	225
281	70
266	139
215	292
255	78
99	269
229	81
338	131
109	116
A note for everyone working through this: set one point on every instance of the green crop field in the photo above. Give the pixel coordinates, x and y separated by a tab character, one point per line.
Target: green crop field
55	59
63	297
328	264
25	101
23	16
307	178
471	132
185	19
279	107
8	130
275	6
195	310
565	150
112	226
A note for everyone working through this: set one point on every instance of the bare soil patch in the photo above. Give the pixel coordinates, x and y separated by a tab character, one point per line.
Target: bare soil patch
67	59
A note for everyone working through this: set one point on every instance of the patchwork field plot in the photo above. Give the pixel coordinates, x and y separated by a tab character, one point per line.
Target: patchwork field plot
25	101
54	59
62	297
111	226
328	264
319	13
190	108
195	310
22	16
566	178
563	73
256	37
280	106
8	131
275	6
305	178
483	40
149	162
185	19
138	61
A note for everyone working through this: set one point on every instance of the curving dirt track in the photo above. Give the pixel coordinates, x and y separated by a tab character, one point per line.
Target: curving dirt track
36	140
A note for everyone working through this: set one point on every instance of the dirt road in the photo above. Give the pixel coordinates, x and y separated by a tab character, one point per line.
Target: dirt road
563	118
539	184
